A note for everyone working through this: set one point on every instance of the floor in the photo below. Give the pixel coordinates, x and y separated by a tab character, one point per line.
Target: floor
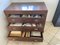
51	37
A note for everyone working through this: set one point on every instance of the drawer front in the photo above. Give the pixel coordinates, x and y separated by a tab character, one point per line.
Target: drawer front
33	29
14	20
26	20
26	39
16	28
35	39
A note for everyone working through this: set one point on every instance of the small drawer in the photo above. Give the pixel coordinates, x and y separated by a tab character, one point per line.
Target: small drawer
14	20
36	36
14	27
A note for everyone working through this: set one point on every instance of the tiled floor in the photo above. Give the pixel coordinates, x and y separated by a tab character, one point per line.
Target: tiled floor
51	37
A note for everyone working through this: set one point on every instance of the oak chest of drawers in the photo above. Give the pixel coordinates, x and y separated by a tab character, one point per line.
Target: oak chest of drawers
28	18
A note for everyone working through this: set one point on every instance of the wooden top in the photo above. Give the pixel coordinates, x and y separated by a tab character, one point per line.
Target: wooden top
27	6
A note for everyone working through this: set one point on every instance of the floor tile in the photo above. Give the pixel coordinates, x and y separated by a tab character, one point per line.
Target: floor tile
25	43
54	41
13	42
58	35
40	43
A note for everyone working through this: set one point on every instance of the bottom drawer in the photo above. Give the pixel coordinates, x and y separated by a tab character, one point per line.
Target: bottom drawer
26	39
31	38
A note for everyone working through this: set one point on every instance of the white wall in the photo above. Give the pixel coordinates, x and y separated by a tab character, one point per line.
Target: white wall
51	5
26	0
3	30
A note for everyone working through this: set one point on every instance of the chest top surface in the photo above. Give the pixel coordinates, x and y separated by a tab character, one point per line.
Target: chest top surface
29	6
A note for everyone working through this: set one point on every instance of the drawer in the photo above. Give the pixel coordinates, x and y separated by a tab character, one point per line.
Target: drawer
25	28
15	28
35	39
25	20
26	39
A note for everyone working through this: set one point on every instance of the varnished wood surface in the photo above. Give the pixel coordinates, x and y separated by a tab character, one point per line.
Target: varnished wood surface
36	6
26	8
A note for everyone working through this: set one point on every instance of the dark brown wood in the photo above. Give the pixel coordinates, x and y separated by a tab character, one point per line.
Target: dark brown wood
24	28
25	20
35	39
16	8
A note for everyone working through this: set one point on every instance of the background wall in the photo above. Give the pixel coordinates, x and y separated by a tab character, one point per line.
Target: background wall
3	30
27	0
51	5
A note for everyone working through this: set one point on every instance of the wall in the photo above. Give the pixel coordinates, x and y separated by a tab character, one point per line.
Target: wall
51	5
3	30
26	0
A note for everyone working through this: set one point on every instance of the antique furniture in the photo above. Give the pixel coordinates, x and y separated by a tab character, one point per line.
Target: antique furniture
28	18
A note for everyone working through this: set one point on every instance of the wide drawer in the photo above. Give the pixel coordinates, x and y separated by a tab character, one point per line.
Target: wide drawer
25	28
40	38
26	39
24	20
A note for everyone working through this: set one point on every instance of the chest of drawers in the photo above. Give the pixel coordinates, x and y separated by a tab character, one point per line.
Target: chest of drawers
26	17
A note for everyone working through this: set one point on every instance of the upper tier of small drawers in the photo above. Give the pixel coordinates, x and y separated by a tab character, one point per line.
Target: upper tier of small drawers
26	18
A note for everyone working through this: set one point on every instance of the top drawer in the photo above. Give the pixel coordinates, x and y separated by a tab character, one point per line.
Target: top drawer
26	18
